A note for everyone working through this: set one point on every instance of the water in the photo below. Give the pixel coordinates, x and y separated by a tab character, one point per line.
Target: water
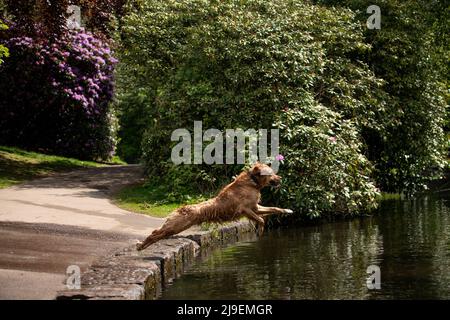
409	240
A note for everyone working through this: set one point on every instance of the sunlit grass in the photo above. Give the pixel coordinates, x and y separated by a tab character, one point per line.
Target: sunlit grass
155	201
17	165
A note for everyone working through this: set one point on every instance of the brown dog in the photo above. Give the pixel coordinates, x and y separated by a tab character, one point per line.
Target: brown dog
238	199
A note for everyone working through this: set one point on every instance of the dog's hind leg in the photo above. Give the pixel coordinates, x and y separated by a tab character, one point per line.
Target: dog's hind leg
154	237
173	225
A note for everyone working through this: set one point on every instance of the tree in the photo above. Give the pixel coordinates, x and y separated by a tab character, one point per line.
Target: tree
410	53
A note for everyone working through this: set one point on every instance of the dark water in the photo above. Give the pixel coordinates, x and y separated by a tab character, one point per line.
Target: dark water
409	240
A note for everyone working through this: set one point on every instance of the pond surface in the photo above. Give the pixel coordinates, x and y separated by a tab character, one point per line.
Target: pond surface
408	239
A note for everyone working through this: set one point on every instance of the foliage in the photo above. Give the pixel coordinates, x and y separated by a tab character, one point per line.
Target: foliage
34	16
97	15
325	168
133	114
60	103
4	52
410	52
100	15
256	64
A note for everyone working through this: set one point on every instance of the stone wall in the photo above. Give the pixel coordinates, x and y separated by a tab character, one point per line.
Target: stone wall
137	275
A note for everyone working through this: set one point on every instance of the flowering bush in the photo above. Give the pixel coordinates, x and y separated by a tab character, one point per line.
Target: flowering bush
55	95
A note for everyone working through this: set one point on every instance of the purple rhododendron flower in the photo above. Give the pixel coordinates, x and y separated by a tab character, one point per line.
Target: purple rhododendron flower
72	77
279	157
78	97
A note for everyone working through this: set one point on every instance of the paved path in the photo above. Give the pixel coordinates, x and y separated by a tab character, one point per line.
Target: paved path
67	219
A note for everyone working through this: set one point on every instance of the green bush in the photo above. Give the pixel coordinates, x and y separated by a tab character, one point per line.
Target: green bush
324	169
133	117
256	64
3	50
410	52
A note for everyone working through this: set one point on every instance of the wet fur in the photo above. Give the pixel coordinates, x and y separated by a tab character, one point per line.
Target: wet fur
238	199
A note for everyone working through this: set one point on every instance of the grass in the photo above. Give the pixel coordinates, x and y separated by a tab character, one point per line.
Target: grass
155	201
17	165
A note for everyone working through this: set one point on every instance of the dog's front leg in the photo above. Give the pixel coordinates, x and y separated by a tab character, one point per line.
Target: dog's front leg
253	216
269	210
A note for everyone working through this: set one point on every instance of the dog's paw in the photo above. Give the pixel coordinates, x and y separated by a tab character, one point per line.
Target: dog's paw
260	230
139	245
288	211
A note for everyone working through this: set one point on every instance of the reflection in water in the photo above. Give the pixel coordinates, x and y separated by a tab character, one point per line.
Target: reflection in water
409	240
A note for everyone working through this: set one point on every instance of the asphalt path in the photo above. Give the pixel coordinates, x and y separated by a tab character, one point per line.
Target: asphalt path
49	224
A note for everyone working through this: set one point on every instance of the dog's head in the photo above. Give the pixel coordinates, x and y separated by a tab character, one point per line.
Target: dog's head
264	175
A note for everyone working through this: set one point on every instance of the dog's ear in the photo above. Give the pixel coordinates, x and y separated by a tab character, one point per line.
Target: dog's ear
256	170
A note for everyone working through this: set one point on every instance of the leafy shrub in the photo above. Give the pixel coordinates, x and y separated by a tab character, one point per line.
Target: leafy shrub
256	64
61	100
410	52
3	50
324	169
133	117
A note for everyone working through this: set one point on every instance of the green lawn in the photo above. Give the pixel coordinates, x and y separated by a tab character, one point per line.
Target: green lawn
153	200
17	165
